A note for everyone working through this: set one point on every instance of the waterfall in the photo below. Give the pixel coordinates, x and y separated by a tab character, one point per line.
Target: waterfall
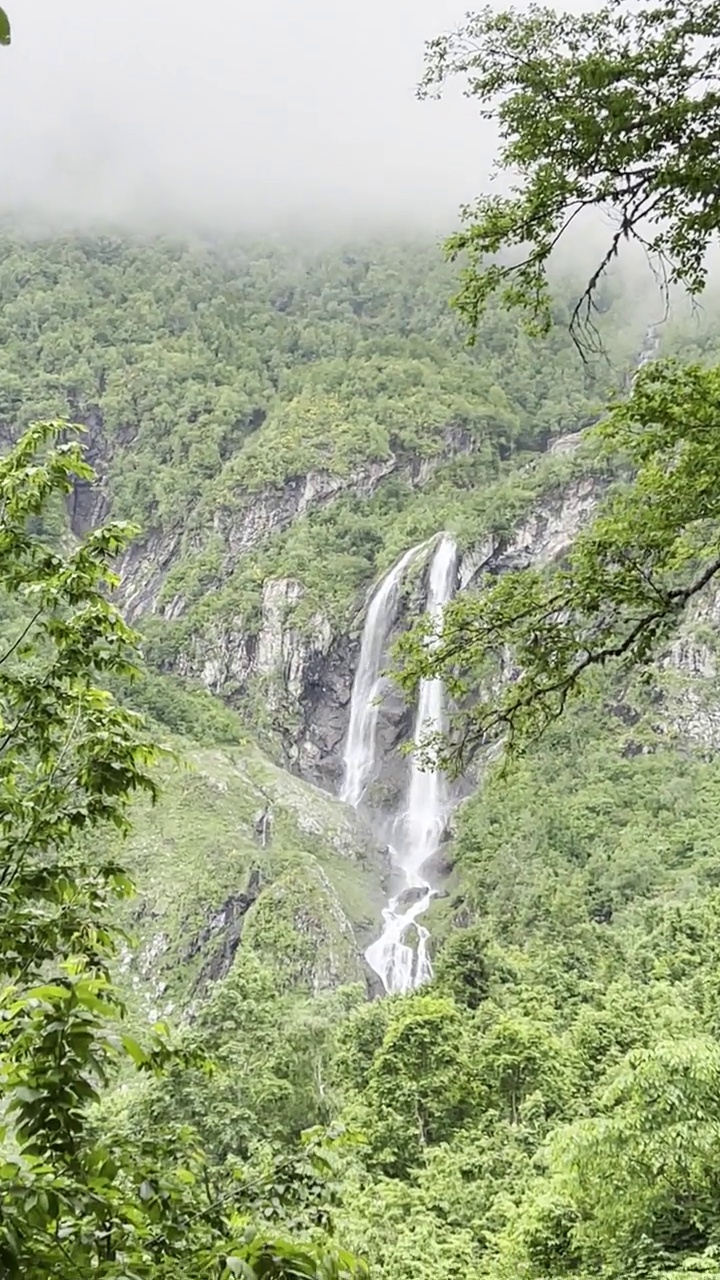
418	831
650	348
360	744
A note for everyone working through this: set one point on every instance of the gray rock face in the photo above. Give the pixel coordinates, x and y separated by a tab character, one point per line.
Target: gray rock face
544	536
143	569
324	709
301	677
690	653
278	654
273	510
219	939
693	707
88	504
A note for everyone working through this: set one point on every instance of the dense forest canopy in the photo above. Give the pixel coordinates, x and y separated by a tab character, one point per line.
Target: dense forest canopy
232	366
548	1104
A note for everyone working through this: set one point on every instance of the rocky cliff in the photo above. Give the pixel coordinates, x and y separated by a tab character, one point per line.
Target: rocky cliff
240	851
288	656
246	520
297	665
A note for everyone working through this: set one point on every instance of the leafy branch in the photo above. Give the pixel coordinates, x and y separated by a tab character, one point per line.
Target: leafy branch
615	111
516	649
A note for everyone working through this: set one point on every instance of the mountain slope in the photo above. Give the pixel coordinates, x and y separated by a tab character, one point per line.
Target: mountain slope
281	414
548	1104
236	851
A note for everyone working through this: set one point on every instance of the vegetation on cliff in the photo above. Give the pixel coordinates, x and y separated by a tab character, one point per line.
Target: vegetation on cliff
548	1105
614	110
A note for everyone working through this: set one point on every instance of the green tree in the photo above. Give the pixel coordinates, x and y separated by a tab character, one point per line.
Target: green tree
461	968
615	109
421	1086
634	1187
77	1202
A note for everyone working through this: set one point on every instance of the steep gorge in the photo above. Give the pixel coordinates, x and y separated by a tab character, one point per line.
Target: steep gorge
348	722
279	488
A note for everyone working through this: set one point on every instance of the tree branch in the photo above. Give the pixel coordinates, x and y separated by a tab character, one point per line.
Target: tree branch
675	601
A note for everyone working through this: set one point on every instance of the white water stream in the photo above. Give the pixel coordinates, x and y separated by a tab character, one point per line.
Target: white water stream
418	830
359	756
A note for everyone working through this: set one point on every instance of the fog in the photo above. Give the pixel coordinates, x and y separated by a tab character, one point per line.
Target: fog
251	115
234	111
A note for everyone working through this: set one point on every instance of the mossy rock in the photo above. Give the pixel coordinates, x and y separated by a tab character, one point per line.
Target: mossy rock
298	926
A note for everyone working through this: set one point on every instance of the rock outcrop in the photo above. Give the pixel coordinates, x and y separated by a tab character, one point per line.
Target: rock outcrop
245	521
207	885
323	705
278	657
692	701
296	680
538	540
299	928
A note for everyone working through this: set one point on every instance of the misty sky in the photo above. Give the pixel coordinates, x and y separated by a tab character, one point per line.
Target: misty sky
234	109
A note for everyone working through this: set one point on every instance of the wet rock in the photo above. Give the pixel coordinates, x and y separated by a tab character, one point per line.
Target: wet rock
409	897
219	939
324	712
263	827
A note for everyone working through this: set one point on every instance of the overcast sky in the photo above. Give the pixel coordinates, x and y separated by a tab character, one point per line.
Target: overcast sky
235	109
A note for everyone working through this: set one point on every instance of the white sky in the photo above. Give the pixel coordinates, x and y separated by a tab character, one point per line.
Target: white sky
249	111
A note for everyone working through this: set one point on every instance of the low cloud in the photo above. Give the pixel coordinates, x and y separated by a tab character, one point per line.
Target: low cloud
234	111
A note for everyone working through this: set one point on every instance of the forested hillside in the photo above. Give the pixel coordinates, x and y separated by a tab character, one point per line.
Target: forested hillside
207	357
283	423
286	413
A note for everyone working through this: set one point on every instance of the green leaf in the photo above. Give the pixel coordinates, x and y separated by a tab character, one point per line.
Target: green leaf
4	28
24	1094
49	992
134	1050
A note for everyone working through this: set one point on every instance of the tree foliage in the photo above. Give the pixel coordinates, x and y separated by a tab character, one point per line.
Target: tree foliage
208	372
77	1202
614	110
473	1129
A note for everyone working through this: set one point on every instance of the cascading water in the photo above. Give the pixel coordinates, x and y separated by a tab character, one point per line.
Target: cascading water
417	833
650	348
360	744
